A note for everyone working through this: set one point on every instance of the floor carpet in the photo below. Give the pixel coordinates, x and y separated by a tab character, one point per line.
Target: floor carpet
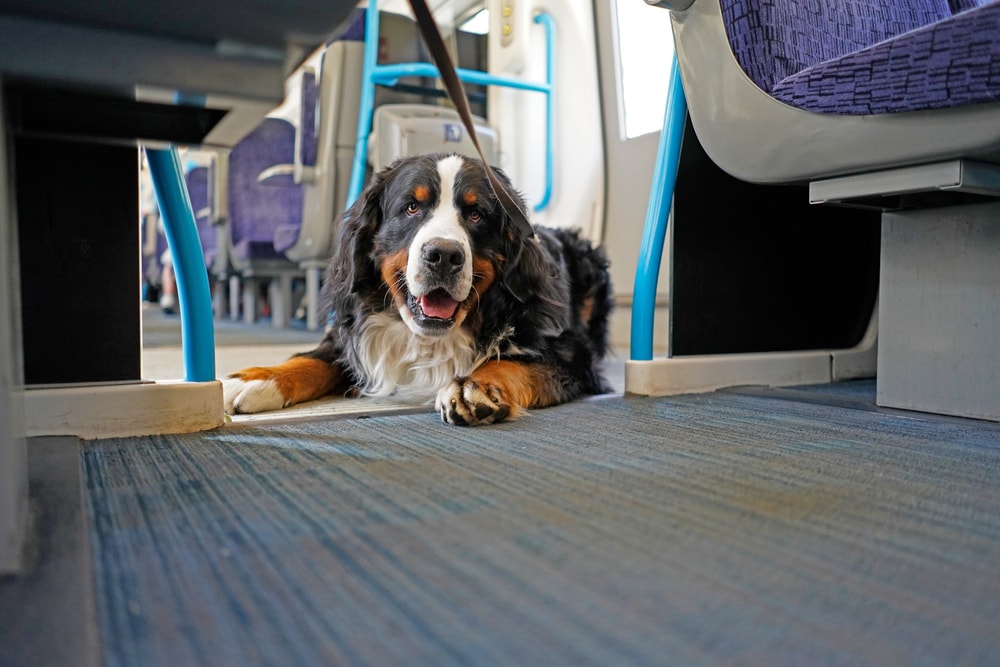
722	529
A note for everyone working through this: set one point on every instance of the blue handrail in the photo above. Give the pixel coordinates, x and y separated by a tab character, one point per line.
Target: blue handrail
655	231
193	292
550	107
373	74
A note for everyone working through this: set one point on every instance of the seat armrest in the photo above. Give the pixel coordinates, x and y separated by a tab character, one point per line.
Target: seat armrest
673	5
218	189
273	175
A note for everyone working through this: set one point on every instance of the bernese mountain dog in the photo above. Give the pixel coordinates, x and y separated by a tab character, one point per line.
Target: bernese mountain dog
436	296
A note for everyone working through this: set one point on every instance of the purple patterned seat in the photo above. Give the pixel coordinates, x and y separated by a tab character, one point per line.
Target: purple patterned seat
863	57
196	179
259	205
790	91
301	239
257	209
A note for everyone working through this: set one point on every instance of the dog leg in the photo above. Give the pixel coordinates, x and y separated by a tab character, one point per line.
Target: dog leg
297	380
500	390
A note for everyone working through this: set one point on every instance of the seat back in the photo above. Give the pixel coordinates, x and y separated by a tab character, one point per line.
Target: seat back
402	130
196	179
328	129
257	209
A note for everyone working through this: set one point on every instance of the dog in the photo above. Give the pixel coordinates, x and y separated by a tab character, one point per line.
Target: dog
436	296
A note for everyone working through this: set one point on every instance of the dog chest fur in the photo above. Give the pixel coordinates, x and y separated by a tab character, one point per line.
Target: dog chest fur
396	362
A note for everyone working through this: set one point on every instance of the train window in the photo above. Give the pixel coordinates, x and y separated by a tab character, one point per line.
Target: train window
645	48
478	23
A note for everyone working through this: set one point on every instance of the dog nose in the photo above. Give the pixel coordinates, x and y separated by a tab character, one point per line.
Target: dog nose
442	255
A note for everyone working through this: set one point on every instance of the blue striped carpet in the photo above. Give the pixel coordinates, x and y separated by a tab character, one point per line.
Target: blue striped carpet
724	529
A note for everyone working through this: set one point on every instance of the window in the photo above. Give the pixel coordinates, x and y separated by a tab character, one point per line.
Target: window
479	23
645	52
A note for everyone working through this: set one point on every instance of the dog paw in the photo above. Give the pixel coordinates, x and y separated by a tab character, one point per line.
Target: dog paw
465	402
244	396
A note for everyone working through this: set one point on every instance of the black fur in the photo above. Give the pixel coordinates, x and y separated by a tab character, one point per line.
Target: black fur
533	309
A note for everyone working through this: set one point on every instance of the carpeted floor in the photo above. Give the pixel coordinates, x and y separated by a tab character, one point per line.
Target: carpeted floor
723	529
162	330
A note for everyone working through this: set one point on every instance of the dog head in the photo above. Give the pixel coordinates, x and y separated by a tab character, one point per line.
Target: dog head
429	230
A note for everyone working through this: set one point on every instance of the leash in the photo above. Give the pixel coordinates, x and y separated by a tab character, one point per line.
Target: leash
432	37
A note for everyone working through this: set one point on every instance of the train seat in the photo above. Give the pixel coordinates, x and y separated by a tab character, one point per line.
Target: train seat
324	149
860	86
259	202
197	181
888	105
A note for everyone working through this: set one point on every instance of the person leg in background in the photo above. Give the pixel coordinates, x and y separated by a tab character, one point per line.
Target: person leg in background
168	288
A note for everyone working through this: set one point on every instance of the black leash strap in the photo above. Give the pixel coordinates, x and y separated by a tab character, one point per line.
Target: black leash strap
429	30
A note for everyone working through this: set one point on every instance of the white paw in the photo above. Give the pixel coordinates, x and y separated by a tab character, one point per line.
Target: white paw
248	396
465	403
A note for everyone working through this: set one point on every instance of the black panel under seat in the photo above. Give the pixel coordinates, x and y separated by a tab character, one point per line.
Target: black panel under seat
756	268
78	235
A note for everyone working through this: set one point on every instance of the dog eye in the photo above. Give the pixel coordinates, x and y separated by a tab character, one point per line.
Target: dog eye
474	216
412	209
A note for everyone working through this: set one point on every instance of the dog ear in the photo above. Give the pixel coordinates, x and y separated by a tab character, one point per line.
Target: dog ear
353	264
521	272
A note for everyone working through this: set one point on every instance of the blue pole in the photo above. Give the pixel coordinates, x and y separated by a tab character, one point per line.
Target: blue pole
366	104
193	293
653	235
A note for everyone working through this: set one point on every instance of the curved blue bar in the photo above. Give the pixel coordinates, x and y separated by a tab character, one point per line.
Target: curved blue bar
188	258
389	74
653	235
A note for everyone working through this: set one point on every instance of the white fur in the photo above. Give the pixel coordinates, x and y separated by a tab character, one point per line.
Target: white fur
251	396
444	222
410	366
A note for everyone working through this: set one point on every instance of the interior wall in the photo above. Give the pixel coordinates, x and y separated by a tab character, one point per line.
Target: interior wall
629	168
577	198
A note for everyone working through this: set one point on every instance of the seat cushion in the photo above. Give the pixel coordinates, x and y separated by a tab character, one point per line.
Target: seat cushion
774	39
247	250
285	237
952	63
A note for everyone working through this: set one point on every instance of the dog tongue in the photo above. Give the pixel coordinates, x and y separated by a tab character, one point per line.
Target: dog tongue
438	304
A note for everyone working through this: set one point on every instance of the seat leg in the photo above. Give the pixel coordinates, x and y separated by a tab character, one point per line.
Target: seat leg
938	311
249	300
219	305
312	298
234	298
280	294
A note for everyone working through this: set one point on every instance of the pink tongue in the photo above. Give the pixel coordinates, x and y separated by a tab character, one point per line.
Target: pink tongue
438	304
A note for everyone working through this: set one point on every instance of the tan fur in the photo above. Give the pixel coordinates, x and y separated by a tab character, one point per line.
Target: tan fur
299	379
520	385
392	271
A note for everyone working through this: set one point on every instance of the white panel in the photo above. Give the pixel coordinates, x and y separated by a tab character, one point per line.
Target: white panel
111	411
698	374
